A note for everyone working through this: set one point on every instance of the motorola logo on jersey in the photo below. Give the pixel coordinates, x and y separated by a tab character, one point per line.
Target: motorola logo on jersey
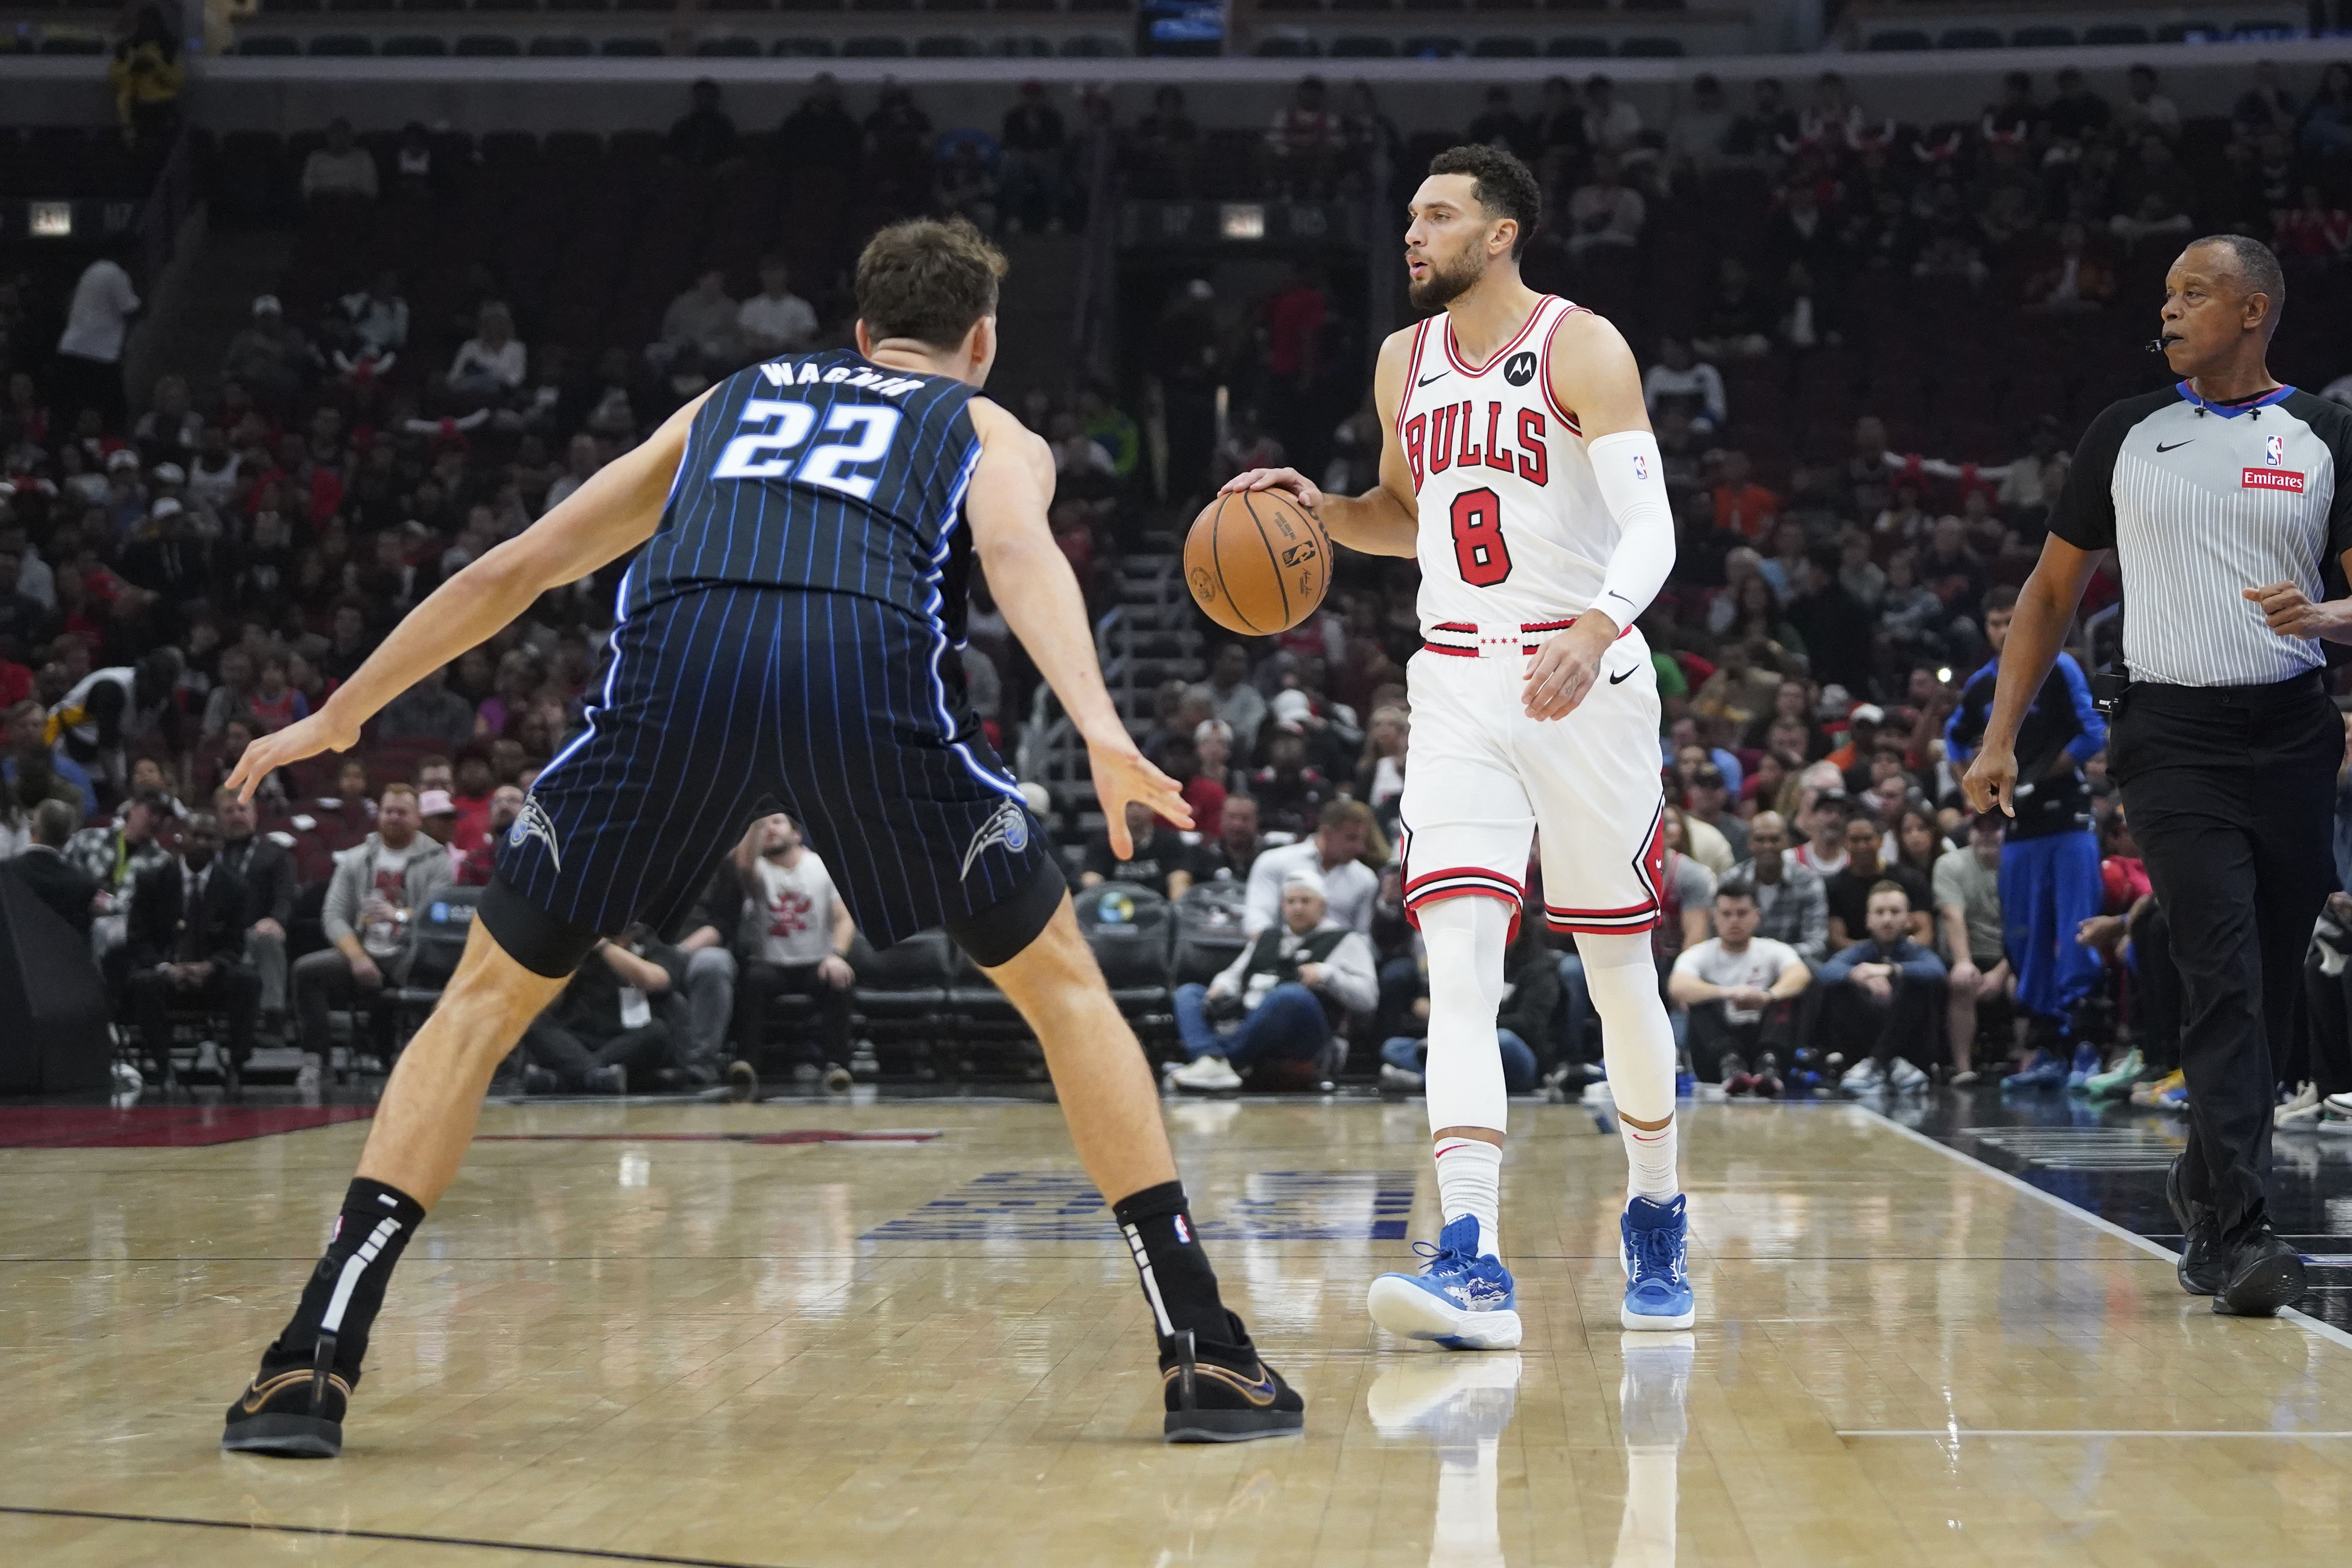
1519	369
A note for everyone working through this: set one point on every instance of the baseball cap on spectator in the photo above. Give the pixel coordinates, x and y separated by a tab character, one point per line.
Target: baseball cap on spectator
165	507
267	305
1707	776
1216	727
168	474
1292	706
1306	877
435	802
121	458
1867	713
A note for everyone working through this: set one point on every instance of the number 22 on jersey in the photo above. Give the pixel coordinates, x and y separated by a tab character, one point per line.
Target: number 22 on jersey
772	429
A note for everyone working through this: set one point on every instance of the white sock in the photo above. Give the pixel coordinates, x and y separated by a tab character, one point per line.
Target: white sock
1649	1161
1470	1180
1638	1042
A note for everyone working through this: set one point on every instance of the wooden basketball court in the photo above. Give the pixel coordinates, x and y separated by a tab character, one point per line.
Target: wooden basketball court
716	1334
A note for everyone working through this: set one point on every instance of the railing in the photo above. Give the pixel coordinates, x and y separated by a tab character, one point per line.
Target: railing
169	202
1091	327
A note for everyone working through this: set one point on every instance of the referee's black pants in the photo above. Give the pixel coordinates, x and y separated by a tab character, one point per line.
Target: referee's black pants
2230	791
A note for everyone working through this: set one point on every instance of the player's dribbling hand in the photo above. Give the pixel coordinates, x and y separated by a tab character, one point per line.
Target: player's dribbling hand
1992	780
1290	479
1565	667
322	731
1122	773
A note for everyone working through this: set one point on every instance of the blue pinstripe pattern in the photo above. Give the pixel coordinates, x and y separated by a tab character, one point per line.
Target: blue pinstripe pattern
779	646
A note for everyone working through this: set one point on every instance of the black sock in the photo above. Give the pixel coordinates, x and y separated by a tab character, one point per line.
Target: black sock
370	1234
1177	1279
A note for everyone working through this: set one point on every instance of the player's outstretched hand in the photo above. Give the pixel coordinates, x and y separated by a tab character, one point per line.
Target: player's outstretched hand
1992	780
1122	774
1290	479
322	731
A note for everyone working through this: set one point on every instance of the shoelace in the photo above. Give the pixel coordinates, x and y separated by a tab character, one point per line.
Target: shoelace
1442	1258
1654	1255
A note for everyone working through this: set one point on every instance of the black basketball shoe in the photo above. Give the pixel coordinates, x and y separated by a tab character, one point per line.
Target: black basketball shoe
2201	1267
1222	1392
293	1413
2261	1273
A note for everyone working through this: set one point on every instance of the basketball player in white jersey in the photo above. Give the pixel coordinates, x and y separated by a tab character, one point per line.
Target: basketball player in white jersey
1518	465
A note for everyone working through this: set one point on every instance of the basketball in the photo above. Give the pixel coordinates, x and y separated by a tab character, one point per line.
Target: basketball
1257	562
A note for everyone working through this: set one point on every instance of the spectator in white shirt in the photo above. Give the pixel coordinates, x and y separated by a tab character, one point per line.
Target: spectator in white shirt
1603	211
89	366
490	365
1677	381
379	315
797	934
1611	123
702	319
1343	833
1700	128
340	170
1730	985
2143	108
775	321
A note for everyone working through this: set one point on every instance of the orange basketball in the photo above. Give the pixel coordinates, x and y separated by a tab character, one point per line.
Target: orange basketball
1257	562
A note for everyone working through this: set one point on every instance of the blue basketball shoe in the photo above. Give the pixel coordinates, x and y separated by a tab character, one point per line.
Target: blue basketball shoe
1459	1300
1656	1244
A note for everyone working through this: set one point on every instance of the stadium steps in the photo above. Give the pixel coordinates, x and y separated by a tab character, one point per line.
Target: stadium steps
1033	316
236	265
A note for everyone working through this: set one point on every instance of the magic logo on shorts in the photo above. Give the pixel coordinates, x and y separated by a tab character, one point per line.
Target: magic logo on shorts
1008	825
532	822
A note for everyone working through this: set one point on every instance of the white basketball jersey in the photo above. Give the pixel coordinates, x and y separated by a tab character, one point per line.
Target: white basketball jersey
1513	528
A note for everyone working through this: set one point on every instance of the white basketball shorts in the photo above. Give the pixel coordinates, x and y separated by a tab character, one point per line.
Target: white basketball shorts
1482	778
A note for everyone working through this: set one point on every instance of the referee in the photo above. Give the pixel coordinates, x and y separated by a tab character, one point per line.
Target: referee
2227	499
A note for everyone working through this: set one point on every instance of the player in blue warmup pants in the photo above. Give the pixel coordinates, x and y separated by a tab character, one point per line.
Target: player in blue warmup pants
2049	860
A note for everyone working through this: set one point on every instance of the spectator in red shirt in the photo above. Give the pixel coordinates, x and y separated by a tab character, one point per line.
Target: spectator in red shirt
1741	505
479	847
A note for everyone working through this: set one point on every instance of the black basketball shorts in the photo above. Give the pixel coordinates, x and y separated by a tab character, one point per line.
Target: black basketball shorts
723	705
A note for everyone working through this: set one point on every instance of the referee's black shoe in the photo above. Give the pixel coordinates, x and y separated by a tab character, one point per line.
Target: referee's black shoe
2200	1267
291	1412
2263	1274
1222	1392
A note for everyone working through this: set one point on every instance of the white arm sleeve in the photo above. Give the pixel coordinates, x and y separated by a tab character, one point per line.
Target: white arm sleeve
1634	486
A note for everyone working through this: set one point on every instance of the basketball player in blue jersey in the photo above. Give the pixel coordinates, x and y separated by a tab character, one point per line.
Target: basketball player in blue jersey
785	644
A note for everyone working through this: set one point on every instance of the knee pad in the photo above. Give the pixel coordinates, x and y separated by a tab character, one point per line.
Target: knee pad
1637	1038
1465	938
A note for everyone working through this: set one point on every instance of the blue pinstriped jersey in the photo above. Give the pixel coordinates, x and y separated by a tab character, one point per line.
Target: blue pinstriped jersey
827	472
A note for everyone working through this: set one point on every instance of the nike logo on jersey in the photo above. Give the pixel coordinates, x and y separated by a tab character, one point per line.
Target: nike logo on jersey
1425	380
2161	447
1621	679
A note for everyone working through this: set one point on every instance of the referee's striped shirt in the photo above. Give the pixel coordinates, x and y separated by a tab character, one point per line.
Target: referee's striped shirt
2200	500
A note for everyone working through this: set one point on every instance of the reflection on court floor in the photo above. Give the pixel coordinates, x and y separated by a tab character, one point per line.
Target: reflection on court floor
726	1334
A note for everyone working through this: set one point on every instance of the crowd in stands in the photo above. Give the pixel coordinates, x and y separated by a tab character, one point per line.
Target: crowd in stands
1868	345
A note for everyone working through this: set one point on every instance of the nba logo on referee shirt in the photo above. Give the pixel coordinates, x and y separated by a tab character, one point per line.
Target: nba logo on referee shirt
533	823
2274	450
1008	825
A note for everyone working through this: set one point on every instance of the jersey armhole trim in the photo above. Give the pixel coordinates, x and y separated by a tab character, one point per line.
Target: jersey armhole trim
1411	369
1543	368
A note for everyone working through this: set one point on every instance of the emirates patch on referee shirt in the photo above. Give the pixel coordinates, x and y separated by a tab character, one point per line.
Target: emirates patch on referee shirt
2271	479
